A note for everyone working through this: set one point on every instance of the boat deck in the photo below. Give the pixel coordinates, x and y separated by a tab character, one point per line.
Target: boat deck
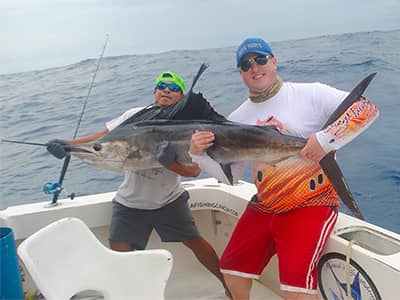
201	285
190	280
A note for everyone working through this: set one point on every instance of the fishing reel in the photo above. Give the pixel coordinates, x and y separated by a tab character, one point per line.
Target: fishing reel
55	189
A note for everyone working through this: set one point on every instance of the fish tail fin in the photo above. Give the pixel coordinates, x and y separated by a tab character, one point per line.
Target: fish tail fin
329	163
335	176
352	97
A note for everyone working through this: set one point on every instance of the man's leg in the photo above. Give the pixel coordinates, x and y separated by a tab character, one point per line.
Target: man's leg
238	286
247	252
305	229
120	246
299	296
129	229
207	257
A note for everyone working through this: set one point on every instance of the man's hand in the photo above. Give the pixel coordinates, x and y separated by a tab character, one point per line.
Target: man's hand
313	150
201	141
58	148
270	121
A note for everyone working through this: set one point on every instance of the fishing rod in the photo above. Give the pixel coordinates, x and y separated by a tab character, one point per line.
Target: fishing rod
56	188
83	108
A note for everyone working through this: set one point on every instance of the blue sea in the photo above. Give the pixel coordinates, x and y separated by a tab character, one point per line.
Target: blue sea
45	104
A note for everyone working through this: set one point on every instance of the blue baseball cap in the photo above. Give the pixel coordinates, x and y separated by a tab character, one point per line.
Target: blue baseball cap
252	45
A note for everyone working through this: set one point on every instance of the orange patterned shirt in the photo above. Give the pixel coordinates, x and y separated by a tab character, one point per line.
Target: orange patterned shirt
291	184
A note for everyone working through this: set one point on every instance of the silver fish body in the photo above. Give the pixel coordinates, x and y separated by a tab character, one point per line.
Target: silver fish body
135	147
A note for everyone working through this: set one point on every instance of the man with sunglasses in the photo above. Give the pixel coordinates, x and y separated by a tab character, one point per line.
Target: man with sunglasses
296	207
155	198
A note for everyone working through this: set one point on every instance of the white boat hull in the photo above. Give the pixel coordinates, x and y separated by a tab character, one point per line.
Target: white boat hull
375	252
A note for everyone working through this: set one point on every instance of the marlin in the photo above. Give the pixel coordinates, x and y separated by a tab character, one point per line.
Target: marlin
134	145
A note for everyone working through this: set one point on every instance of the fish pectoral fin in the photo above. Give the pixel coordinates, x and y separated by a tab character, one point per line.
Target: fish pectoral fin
226	168
166	153
332	170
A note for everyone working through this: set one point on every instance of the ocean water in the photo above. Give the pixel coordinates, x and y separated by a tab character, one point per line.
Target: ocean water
45	104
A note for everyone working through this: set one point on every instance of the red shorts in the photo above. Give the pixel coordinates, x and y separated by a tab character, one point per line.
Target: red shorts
297	237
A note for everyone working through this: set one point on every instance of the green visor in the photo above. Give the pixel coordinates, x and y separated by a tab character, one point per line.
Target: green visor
169	76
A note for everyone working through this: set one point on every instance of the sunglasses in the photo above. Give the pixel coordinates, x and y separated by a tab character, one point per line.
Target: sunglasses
261	60
171	86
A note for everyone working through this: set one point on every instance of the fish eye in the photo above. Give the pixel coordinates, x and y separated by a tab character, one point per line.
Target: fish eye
97	147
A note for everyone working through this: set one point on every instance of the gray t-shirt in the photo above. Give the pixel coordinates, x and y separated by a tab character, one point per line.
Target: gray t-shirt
146	189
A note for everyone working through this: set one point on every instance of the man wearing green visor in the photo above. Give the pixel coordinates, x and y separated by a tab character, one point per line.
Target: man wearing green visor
155	198
169	89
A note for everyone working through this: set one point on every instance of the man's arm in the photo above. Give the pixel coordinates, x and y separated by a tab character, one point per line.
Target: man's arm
187	170
349	125
90	138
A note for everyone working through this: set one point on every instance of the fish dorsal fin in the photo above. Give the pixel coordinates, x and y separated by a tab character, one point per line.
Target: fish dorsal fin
354	95
169	112
201	70
147	113
152	111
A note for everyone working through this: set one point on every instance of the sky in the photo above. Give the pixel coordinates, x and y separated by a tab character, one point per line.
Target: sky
39	34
